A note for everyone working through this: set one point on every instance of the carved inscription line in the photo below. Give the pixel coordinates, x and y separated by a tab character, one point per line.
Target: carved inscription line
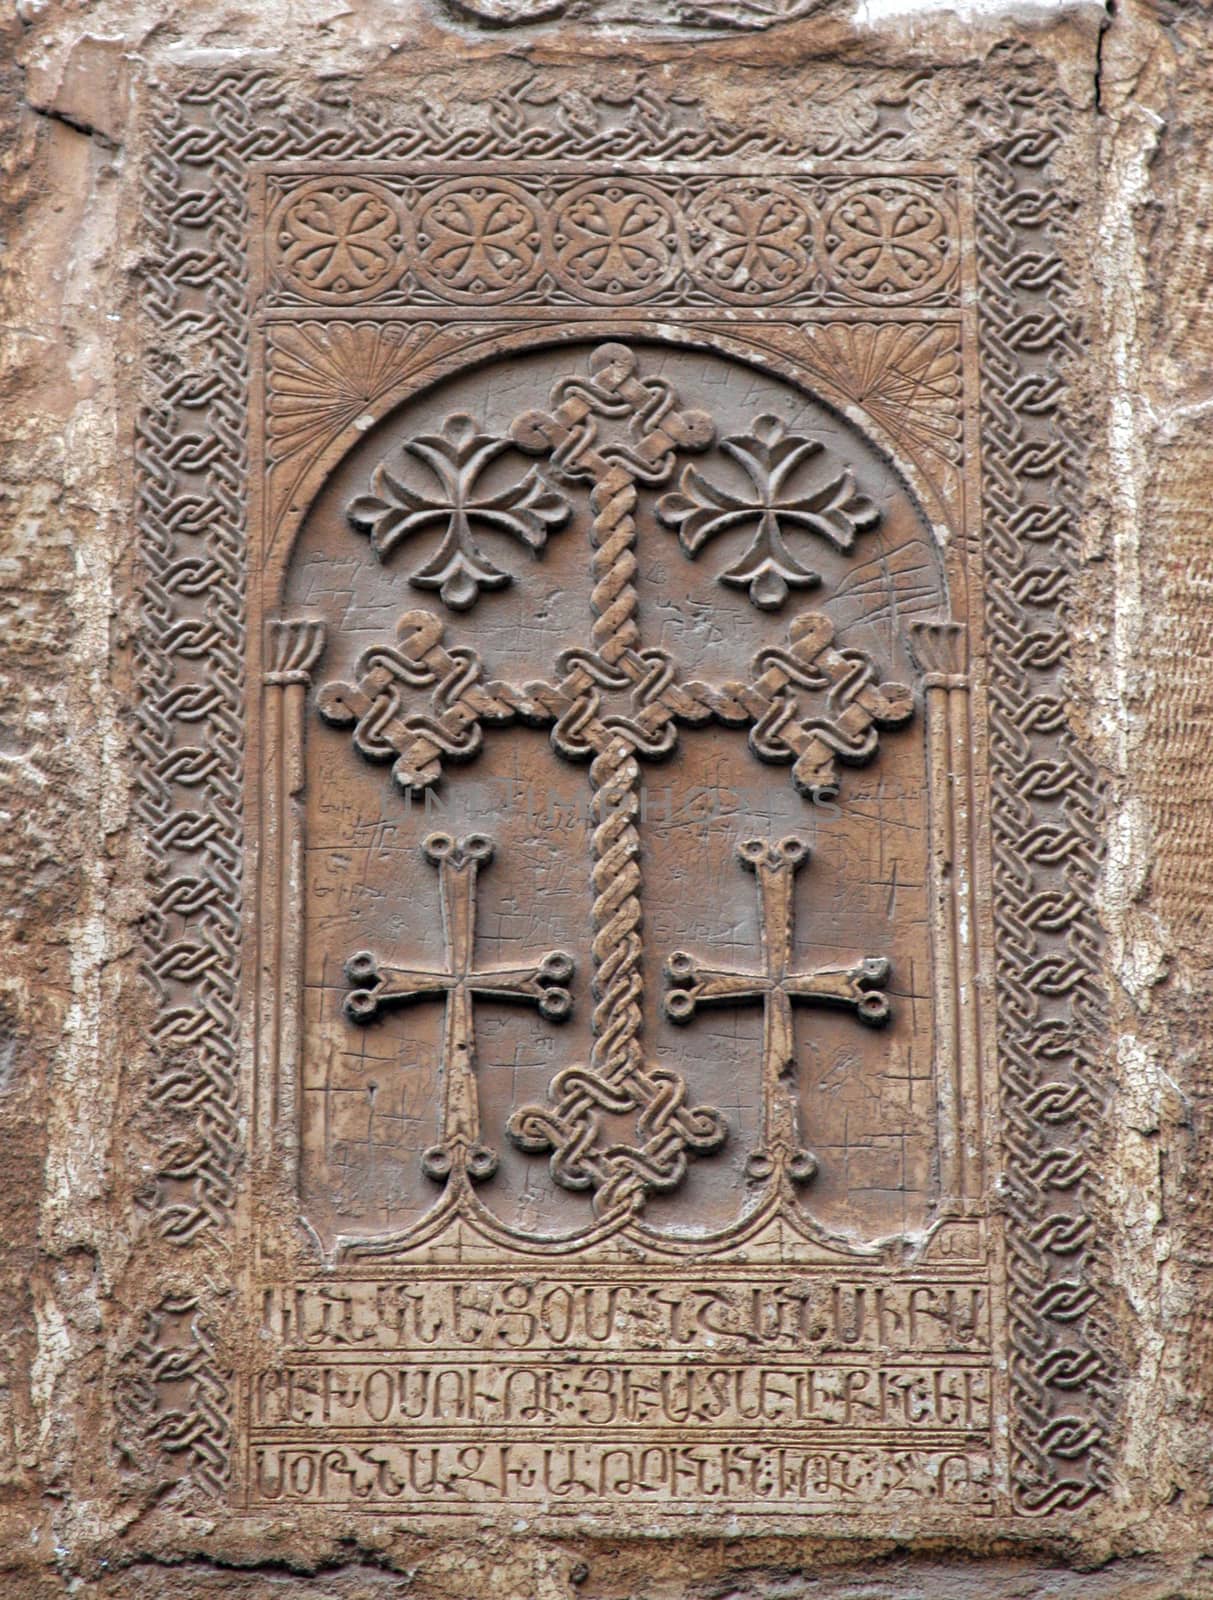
820	1316
821	1400
740	1478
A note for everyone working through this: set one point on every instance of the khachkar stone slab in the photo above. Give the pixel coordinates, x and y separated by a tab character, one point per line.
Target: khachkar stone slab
625	971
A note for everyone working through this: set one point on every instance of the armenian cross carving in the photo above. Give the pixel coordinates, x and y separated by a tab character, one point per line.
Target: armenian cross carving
770	457
777	986
378	986
807	704
456	457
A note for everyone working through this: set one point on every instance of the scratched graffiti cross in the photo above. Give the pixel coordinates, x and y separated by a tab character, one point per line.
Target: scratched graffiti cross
778	985
460	983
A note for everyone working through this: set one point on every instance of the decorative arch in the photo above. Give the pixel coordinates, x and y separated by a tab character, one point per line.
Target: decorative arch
422	701
307	440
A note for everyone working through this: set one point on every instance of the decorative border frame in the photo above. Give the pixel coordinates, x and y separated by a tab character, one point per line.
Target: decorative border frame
680	217
1045	810
192	466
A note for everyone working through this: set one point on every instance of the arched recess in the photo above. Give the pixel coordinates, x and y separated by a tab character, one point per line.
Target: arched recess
444	351
312	588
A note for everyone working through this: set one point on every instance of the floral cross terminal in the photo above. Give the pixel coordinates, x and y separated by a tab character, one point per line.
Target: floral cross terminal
456	457
770	456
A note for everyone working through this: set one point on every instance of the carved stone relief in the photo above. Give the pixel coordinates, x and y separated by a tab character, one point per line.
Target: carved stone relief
623	238
661	740
748	16
644	762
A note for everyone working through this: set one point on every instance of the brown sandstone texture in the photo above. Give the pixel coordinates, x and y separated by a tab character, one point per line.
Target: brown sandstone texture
605	768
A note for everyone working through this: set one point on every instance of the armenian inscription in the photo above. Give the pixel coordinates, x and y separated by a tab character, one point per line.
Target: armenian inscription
624	1098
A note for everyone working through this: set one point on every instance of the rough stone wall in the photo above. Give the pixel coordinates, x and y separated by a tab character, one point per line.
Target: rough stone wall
75	85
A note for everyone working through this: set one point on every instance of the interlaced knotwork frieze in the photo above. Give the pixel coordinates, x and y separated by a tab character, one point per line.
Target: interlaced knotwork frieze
1045	809
808	704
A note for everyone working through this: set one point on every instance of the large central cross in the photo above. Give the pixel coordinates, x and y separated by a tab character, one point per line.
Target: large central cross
778	985
460	982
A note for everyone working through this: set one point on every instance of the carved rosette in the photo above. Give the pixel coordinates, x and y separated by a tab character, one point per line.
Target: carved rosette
889	243
753	241
339	242
478	241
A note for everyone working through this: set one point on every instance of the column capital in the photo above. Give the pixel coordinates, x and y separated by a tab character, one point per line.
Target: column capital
293	646
941	648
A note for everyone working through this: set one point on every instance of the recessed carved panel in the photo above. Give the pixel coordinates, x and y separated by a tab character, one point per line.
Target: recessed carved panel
619	693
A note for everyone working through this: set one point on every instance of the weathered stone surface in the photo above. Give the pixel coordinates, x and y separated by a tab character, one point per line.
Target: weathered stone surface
545	543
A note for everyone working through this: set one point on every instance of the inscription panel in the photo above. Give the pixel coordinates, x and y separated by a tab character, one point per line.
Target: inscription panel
608	711
583	1390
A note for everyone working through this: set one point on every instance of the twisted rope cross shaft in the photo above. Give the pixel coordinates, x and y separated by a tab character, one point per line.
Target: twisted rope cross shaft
616	1059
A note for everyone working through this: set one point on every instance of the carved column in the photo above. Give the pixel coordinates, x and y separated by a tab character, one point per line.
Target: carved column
292	649
941	649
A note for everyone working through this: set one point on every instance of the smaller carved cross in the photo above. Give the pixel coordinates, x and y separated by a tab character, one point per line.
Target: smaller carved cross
460	982
778	987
